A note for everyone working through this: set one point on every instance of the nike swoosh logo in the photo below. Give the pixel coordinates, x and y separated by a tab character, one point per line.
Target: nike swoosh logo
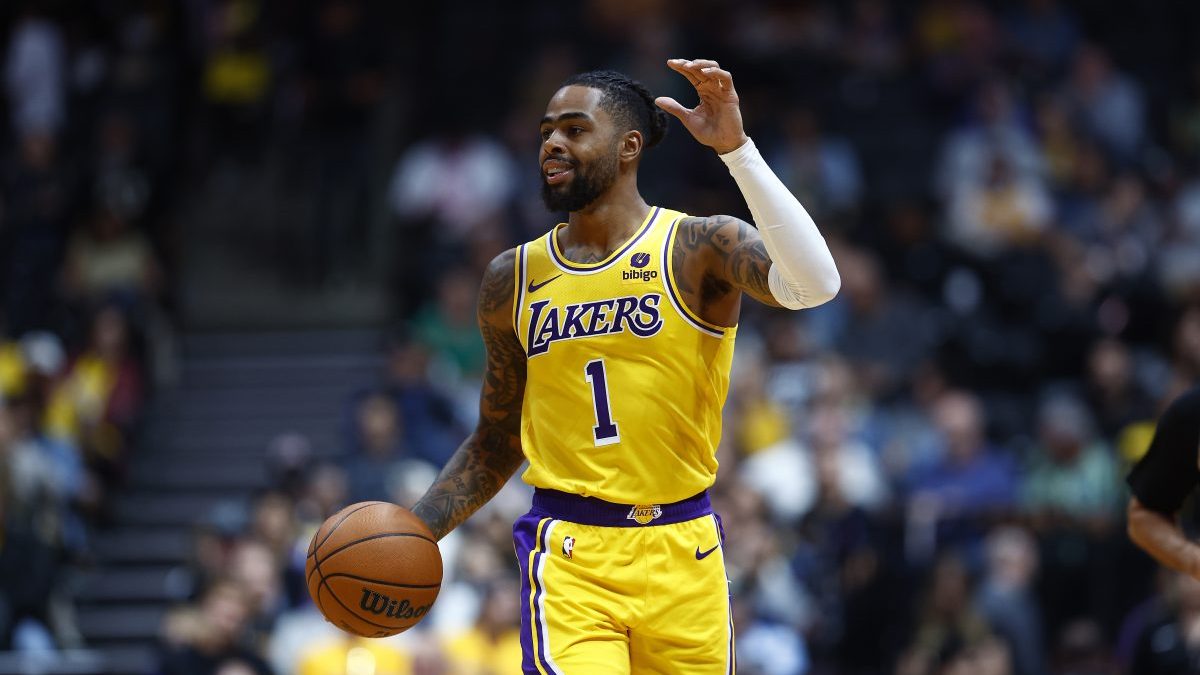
702	556
533	287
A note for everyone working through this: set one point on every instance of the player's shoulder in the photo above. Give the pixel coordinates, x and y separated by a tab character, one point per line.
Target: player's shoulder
497	288
722	232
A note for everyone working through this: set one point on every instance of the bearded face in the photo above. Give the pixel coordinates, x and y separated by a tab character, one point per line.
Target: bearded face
571	184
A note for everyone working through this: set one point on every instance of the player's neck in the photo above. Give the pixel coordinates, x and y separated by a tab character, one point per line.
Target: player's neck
608	221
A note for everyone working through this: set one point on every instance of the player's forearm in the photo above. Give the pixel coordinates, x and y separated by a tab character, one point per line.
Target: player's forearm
1161	537
474	474
803	272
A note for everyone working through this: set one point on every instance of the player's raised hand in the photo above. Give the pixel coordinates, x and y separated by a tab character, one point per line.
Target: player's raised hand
717	120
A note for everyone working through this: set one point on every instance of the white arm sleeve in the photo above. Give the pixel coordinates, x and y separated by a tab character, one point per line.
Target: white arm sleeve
802	273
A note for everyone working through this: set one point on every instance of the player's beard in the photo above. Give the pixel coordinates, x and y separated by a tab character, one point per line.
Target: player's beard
588	183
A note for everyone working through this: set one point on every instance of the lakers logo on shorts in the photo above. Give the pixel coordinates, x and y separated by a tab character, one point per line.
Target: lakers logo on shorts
644	514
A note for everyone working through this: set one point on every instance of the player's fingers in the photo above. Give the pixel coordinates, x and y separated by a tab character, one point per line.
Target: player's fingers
695	68
723	78
705	63
681	66
674	107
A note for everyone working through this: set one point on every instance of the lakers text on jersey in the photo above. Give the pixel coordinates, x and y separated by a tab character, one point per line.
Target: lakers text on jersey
624	384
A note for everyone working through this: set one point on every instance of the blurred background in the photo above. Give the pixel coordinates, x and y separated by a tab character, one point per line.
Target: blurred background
240	242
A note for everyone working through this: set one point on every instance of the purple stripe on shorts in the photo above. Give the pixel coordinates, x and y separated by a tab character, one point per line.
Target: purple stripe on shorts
524	539
592	511
537	597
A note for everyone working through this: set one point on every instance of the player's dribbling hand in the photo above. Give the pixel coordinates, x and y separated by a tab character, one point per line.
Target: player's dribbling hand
717	120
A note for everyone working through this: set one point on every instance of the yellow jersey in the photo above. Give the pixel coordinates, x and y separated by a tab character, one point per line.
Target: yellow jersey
625	384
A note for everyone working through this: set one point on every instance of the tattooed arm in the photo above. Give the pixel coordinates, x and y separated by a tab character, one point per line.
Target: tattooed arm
714	260
492	453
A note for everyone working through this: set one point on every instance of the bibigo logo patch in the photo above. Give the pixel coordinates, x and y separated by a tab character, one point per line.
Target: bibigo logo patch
638	261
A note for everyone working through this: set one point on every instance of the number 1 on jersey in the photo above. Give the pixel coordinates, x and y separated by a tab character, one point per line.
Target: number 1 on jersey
605	431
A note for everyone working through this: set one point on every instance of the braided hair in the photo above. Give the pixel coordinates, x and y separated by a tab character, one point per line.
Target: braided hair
628	101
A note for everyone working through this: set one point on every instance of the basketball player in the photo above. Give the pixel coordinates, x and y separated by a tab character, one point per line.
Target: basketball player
1160	483
609	342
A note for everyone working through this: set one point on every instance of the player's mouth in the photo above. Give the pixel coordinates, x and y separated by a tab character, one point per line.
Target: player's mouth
557	171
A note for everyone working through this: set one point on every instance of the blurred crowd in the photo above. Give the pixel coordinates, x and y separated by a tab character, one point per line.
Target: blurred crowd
922	477
82	294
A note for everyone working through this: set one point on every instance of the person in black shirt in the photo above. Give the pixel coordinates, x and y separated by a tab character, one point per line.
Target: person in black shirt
1160	483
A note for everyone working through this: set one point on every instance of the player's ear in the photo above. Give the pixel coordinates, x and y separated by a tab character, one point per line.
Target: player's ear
631	146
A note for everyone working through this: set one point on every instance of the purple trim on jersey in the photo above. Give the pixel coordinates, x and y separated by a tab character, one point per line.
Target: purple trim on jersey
593	511
669	283
576	267
524	540
520	299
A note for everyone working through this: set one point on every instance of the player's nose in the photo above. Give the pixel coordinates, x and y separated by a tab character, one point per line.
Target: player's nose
553	144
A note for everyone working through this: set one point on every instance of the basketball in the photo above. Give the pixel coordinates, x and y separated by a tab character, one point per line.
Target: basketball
373	569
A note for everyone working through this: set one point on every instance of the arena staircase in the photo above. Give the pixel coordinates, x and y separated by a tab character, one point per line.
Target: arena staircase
205	446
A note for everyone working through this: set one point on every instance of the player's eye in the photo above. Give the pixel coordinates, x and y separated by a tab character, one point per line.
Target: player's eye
575	131
545	134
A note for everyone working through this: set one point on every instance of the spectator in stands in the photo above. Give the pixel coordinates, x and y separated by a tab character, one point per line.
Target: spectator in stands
821	170
1070	493
445	190
431	430
110	262
256	568
1059	142
493	645
994	134
273	523
872	43
1179	259
452	184
971	481
35	73
1007	597
947	621
326	492
757	567
30	532
51	473
447	327
197	640
99	401
1113	390
236	79
1106	102
1002	211
838	559
1072	480
374	466
885	334
766	647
